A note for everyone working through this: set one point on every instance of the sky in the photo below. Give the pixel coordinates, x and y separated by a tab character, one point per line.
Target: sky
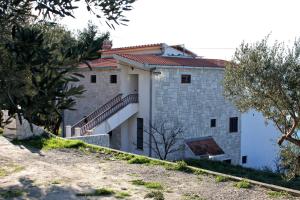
210	28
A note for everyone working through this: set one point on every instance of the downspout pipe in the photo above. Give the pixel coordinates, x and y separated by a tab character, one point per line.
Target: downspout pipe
150	111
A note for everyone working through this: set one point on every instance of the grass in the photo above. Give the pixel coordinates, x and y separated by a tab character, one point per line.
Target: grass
242	184
276	194
11	193
156	195
139	160
180	166
191	197
221	179
48	143
150	185
9	169
122	195
239	171
99	192
3	172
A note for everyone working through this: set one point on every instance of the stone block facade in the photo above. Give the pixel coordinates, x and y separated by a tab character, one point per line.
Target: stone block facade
96	94
194	104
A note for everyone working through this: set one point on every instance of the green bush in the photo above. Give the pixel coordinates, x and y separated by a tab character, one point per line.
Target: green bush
243	184
276	194
122	195
221	179
150	185
180	166
138	182
156	195
139	160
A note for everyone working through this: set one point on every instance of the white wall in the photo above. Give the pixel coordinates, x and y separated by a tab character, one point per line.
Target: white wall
259	141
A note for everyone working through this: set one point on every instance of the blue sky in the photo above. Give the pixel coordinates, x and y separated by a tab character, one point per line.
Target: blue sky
211	28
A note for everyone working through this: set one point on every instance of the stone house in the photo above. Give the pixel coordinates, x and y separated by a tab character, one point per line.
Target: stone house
130	88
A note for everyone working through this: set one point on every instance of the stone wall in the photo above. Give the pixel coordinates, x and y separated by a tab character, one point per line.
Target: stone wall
96	94
193	105
16	130
100	140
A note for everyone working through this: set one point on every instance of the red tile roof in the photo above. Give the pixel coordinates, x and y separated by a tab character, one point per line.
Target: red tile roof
132	47
101	62
205	146
175	61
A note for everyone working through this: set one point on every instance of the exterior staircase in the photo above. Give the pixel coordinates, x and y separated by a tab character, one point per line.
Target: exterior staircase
110	110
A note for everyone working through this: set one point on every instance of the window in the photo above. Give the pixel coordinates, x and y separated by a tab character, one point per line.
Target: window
244	159
140	133
185	78
113	78
213	123
233	124
227	161
93	78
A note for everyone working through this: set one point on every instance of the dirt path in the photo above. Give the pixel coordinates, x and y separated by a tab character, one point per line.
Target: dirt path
61	174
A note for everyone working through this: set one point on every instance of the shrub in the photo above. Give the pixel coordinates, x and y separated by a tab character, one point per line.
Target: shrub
122	195
276	194
156	195
153	185
150	185
180	166
242	184
139	160
138	182
221	179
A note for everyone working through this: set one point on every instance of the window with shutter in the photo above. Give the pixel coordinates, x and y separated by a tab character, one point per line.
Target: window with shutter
140	133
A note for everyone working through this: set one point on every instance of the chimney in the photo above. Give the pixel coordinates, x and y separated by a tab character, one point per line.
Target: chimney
106	45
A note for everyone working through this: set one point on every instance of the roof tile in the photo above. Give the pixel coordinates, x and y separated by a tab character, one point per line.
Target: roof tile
175	61
205	146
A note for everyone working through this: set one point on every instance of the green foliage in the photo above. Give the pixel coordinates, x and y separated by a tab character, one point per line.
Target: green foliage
35	87
39	69
156	195
153	185
191	197
150	185
139	160
243	184
243	172
51	143
15	12
290	161
180	166
266	78
138	182
221	179
11	193
122	195
276	194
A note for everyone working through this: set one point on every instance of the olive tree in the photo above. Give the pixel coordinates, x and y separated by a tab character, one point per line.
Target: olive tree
267	78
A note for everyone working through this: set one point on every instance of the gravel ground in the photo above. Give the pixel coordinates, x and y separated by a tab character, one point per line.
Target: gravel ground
61	174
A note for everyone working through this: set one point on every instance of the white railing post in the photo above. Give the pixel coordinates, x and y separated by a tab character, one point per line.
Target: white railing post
68	131
77	131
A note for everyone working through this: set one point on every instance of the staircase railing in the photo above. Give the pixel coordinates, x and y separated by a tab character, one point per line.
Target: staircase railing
132	98
97	112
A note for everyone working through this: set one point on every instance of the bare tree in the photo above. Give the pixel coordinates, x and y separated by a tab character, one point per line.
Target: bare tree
166	137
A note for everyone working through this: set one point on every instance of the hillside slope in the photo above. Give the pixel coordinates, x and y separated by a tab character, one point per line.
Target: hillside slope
73	174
